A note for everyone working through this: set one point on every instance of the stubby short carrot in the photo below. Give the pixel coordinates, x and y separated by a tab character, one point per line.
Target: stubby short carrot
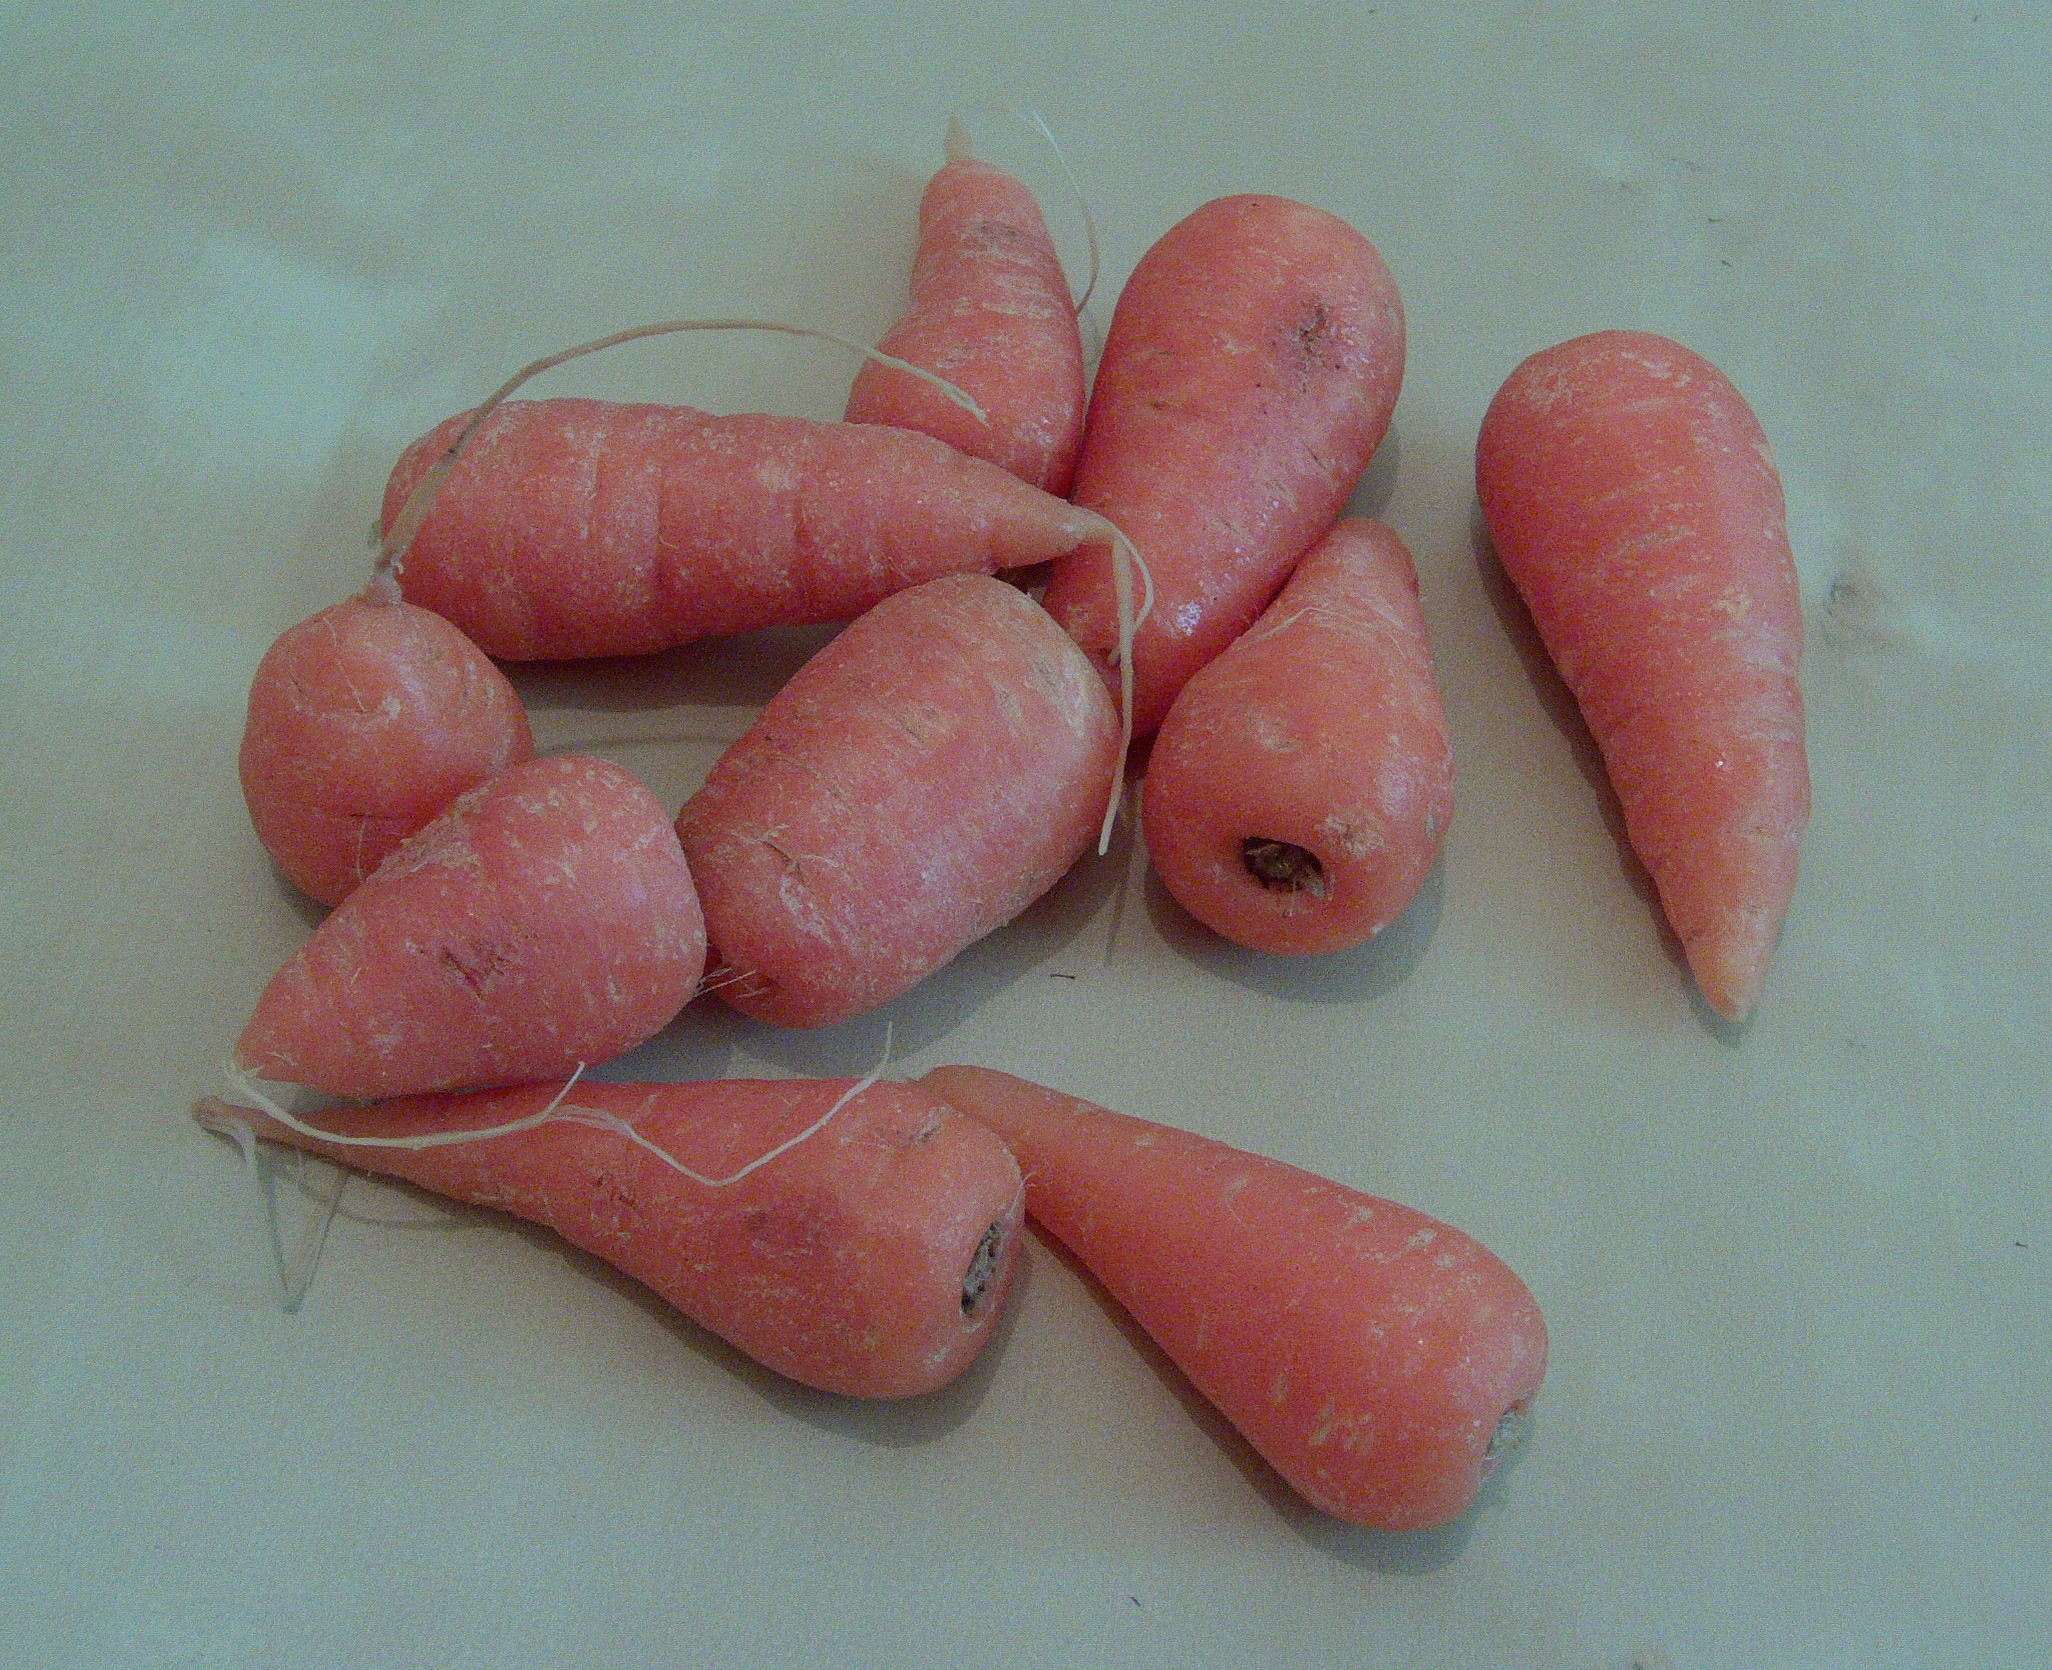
577	527
1301	784
546	919
991	313
365	721
1632	499
1250	371
923	779
869	1257
1378	1359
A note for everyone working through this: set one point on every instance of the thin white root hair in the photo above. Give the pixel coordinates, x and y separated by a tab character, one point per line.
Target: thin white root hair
299	1274
1126	561
222	1118
392	548
295	1275
209	1112
956	148
720	979
619	1127
1033	117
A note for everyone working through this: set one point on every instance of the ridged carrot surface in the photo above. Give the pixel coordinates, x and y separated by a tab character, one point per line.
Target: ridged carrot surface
1250	371
1378	1359
991	313
870	1258
583	527
1632	499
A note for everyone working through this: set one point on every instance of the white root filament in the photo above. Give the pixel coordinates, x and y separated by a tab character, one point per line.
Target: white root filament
225	1119
956	147
1126	562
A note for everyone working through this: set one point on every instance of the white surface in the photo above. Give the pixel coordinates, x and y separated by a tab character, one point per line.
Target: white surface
1799	1277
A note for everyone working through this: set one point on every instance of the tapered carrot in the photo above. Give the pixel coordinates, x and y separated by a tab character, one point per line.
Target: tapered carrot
545	920
923	779
365	721
1631	497
990	313
860	1244
1299	788
1250	371
581	527
1378	1359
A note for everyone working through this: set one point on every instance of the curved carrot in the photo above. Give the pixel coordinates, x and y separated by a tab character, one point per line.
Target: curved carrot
870	1257
1250	371
1299	788
582	527
545	920
1631	497
1378	1359
991	313
924	778
364	722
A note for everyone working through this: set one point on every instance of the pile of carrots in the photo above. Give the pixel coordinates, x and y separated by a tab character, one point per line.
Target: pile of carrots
502	921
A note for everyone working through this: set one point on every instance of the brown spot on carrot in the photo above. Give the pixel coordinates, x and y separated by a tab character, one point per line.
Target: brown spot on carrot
476	966
983	1264
1282	867
1509	1432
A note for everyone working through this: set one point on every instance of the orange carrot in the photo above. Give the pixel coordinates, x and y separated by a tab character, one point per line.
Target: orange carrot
1250	371
582	528
923	779
1299	788
861	1244
546	919
364	723
1379	1360
1631	497
991	313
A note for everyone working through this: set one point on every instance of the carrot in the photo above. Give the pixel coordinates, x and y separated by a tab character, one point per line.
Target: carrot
364	723
580	527
1631	497
860	1243
991	313
1250	371
546	919
1379	1360
1298	790
925	777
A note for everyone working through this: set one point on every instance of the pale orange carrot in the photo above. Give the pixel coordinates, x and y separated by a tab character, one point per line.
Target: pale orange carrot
364	722
580	527
924	778
1299	788
1631	497
858	1243
1250	371
1378	1359
990	313
545	920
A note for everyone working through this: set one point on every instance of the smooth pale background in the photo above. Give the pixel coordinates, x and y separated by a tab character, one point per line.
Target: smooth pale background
1798	1276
